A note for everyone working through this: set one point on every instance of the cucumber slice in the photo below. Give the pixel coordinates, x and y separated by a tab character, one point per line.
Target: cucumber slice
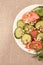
26	38
40	36
18	32
39	25
36	9
28	27
39	10
20	23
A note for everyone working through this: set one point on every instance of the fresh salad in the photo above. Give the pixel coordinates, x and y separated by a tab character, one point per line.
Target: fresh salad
30	30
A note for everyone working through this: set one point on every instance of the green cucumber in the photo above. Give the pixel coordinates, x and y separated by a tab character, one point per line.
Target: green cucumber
40	36
36	9
20	23
39	25
28	27
39	10
26	38
18	32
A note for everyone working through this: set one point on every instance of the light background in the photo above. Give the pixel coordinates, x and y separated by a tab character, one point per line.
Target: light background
10	53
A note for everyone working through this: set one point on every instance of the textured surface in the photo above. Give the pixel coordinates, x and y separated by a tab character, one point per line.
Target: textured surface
10	53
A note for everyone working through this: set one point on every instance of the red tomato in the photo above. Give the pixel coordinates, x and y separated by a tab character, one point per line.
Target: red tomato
30	17
34	33
25	17
36	45
27	46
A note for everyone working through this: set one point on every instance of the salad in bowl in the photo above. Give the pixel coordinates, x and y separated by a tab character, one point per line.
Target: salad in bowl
28	29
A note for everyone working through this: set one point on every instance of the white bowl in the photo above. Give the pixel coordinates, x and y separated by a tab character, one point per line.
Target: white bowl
19	16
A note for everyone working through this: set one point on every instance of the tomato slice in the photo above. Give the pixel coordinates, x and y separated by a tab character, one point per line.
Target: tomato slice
35	45
25	17
27	46
30	17
34	33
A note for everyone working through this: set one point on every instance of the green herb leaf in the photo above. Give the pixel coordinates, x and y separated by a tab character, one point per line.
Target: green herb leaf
39	54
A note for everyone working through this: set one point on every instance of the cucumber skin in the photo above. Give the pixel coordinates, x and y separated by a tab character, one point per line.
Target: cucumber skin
40	6
27	34
18	22
15	34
